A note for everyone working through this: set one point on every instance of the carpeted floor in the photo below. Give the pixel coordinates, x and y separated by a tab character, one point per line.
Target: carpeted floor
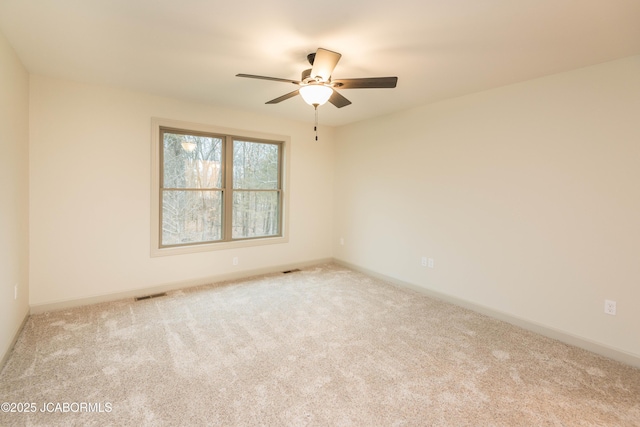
325	346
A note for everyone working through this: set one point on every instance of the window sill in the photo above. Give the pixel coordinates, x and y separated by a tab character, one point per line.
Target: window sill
209	247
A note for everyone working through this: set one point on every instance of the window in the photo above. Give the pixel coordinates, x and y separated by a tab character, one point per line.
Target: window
256	189
213	189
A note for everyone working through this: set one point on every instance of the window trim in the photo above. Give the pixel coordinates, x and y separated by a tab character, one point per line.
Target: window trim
156	249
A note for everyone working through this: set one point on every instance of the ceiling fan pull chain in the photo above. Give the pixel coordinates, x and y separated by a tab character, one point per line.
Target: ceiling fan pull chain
315	127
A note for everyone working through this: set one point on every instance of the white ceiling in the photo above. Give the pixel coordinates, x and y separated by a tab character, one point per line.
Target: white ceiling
192	49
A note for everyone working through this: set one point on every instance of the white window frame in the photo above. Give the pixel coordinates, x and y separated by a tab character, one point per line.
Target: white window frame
156	248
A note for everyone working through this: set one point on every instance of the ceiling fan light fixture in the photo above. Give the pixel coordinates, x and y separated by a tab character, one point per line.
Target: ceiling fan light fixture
316	94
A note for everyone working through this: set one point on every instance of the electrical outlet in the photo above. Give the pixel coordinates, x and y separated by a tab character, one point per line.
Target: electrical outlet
15	291
610	307
342	241
430	262
235	260
423	261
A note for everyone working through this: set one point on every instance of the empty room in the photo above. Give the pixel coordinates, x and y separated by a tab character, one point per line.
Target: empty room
418	213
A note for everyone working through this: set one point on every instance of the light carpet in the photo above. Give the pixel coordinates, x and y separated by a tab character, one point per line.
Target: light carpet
325	346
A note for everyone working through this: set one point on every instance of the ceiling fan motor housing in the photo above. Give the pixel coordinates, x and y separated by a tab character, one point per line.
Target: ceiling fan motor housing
306	78
311	57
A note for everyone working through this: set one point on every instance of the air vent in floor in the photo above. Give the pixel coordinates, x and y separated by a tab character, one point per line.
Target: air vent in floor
162	294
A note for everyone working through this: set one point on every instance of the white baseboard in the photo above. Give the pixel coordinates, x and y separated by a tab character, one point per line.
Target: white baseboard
562	336
95	299
7	353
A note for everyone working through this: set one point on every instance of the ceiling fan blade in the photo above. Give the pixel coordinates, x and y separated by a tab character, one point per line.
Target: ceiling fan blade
324	63
338	100
275	79
283	97
366	83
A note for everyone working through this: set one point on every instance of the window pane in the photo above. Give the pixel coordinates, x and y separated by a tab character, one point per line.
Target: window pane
255	165
191	216
255	213
191	161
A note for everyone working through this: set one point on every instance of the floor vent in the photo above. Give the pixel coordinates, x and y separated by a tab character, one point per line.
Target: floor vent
162	294
295	270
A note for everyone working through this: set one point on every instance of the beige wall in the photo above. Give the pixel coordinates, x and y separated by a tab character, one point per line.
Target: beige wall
90	193
527	197
14	194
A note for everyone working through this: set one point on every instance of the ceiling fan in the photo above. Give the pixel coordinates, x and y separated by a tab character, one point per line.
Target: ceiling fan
316	85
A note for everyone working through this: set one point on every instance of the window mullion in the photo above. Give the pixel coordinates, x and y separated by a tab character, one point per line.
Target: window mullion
228	189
